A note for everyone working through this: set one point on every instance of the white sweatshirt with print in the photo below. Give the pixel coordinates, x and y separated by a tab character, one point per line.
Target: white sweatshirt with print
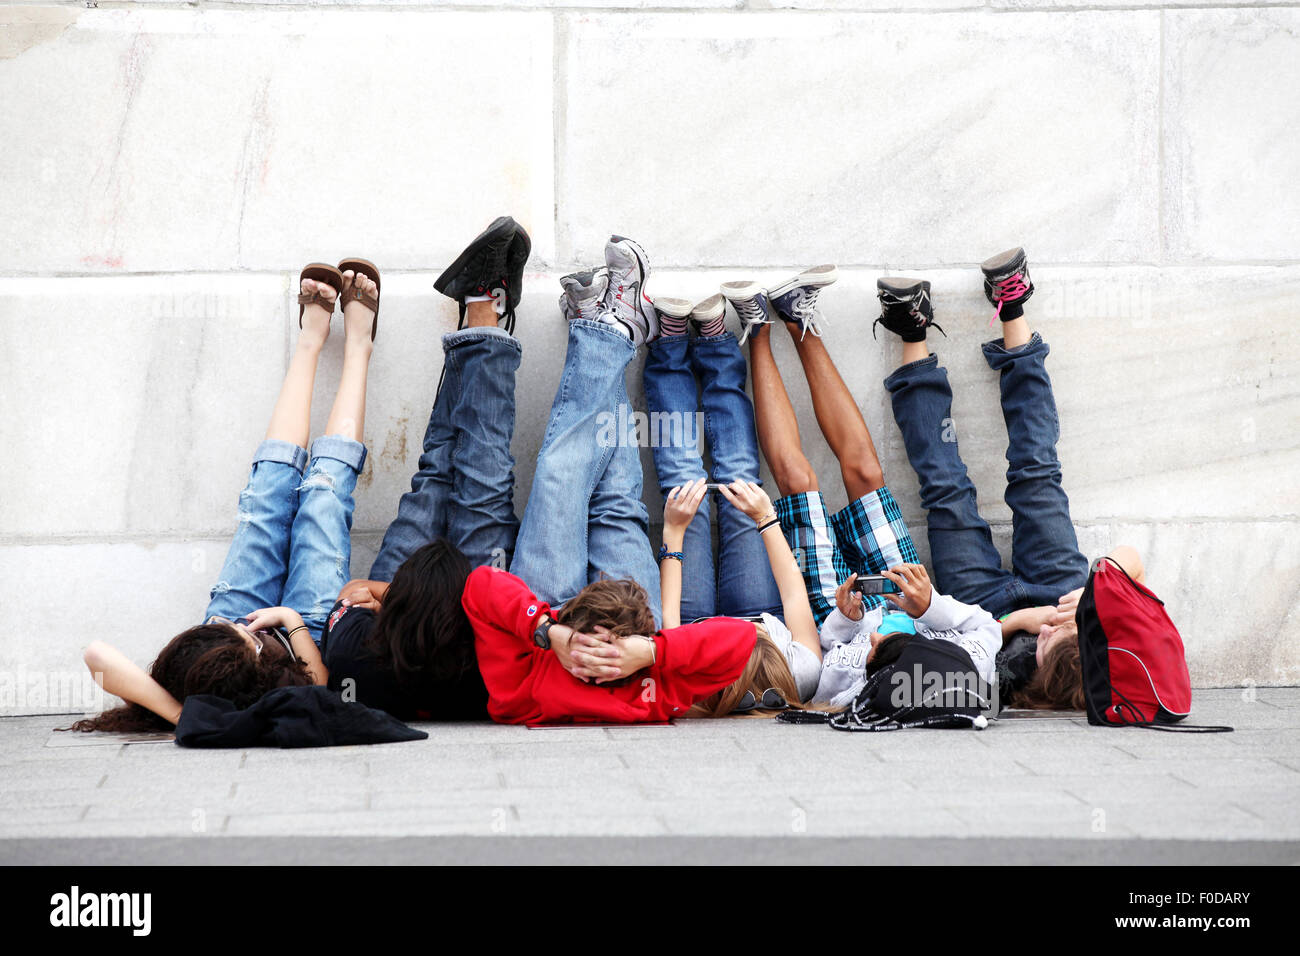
846	643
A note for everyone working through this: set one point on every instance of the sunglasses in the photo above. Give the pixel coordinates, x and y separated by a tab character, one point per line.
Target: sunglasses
772	699
258	637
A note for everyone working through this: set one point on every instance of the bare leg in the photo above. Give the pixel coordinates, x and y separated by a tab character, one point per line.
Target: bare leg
839	418
291	418
348	414
1015	333
775	421
914	352
481	315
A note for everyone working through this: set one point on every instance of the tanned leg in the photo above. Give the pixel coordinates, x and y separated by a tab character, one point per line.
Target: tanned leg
775	421
839	417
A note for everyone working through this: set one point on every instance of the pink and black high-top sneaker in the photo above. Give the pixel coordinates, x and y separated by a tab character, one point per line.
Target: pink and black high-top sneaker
1007	285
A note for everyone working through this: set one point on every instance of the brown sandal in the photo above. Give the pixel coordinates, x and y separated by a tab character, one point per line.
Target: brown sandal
321	272
368	269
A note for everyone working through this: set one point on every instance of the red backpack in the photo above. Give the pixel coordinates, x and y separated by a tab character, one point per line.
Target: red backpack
1134	665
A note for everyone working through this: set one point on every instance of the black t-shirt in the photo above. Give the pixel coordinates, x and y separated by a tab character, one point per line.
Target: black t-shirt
374	684
1016	664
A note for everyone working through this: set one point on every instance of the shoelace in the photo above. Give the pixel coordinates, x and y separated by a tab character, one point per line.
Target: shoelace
889	300
804	308
751	316
1008	290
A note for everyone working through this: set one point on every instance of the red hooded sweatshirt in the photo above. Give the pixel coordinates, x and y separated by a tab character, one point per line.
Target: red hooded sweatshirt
527	685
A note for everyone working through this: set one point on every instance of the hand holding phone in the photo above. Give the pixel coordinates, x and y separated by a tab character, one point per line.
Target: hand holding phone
875	584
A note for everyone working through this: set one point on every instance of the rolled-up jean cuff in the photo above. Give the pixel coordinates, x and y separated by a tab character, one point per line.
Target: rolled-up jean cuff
477	334
351	453
997	354
284	452
902	370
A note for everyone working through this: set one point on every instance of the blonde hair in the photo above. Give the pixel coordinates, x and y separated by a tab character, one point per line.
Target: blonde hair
766	667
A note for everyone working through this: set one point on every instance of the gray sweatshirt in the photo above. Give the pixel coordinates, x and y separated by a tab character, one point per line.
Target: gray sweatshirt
846	643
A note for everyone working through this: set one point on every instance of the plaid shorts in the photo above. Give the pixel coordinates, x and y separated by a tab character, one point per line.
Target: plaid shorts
866	537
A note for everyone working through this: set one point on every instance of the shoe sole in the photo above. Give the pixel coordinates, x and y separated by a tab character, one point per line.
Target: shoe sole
501	226
739	291
999	263
712	308
676	308
525	240
818	276
899	285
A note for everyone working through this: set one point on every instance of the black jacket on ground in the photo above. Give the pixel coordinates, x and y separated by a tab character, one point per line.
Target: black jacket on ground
310	716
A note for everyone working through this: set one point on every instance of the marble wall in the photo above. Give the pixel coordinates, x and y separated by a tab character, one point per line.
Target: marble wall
168	167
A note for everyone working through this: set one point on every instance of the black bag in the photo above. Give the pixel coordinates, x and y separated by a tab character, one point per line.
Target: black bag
932	684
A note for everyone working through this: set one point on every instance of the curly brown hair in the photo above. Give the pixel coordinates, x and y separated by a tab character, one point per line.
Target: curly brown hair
207	659
1058	683
619	604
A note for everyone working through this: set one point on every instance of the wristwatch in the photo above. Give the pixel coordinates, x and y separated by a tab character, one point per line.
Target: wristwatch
542	636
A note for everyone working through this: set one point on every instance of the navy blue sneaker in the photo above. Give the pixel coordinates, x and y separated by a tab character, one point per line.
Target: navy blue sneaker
752	306
795	300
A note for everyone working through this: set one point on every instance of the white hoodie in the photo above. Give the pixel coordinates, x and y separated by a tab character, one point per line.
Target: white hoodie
846	643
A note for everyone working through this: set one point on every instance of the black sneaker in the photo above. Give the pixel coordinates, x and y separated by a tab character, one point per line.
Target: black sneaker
516	259
490	265
905	308
1006	283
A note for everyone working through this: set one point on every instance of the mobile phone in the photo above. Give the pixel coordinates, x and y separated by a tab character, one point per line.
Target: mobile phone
875	584
715	485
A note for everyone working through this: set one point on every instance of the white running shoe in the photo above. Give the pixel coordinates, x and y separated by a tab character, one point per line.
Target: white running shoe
584	294
629	268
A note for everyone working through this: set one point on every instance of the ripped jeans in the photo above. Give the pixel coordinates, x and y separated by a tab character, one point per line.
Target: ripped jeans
292	546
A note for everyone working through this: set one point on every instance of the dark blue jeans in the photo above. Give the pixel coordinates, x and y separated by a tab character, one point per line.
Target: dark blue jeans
464	488
1045	557
687	380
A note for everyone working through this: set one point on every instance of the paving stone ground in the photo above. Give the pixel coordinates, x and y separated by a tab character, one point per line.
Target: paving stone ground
1041	789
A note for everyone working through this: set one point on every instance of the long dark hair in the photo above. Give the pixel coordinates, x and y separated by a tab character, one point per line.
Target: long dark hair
422	631
207	659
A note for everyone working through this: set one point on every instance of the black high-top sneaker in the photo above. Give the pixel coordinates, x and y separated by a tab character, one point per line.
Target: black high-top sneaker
521	248
905	308
1007	285
492	264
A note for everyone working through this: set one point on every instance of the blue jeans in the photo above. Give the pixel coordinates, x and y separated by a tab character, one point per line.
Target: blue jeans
292	546
463	489
1045	557
683	377
585	516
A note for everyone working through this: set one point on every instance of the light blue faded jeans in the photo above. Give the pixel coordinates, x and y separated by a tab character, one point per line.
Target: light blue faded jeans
292	546
585	516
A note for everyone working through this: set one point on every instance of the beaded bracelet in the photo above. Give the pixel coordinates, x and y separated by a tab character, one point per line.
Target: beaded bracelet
665	553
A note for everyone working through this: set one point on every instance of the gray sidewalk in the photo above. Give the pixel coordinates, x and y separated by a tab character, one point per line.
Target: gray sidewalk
1039	789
